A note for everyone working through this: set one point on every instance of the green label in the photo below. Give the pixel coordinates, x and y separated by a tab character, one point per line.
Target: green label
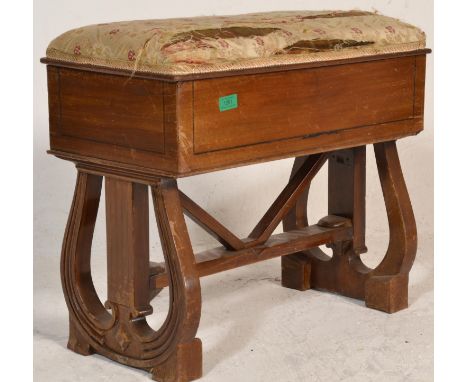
228	102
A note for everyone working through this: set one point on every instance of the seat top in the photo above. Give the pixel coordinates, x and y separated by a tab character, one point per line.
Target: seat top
198	45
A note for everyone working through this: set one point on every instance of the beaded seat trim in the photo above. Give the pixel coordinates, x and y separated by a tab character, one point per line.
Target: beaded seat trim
188	46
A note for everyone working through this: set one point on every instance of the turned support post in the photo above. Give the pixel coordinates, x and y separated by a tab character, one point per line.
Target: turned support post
127	233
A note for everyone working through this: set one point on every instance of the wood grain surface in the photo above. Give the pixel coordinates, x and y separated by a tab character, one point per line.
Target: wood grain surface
176	129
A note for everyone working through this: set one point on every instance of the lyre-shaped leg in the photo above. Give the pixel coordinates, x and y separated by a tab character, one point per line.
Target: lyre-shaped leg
185	363
172	353
75	261
385	287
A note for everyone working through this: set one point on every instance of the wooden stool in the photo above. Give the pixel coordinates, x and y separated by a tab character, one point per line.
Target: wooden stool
143	103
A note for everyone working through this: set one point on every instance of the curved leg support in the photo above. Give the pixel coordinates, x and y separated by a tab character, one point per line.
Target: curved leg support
185	363
385	287
119	329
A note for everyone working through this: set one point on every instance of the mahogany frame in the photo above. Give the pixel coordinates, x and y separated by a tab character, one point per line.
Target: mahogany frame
129	161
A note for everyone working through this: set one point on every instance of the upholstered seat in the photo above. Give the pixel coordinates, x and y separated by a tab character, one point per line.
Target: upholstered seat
219	43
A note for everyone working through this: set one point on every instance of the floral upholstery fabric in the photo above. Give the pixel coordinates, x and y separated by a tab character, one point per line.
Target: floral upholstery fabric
220	43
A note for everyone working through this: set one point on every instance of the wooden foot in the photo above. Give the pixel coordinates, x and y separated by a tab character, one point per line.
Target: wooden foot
387	293
184	365
384	288
119	329
295	272
77	343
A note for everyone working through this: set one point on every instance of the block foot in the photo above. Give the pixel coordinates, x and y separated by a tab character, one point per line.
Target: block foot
295	272
387	293
183	366
77	343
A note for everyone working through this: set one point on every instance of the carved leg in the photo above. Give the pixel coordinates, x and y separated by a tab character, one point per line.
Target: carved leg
172	353
385	287
185	363
346	198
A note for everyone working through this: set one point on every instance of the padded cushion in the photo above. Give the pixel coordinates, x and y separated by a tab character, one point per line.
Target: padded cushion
219	43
